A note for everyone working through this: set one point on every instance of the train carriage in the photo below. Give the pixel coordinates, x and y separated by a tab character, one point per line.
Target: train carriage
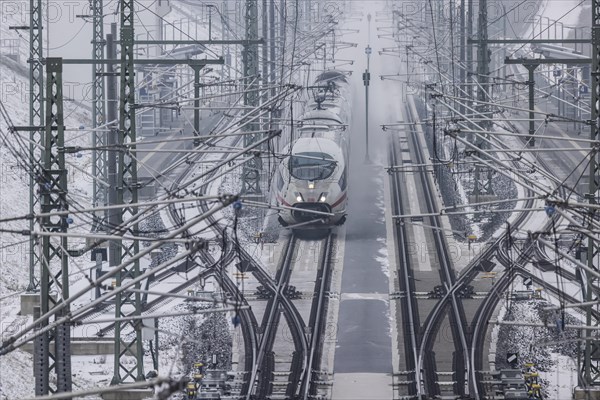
311	181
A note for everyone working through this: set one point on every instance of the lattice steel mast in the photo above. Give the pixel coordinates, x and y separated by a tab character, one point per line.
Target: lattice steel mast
252	169
52	350
36	119
482	185
99	138
591	362
127	303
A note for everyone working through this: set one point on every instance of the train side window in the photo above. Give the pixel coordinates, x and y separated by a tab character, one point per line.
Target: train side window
343	181
279	181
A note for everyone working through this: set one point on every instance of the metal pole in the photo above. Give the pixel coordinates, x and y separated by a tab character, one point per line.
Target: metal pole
366	79
483	70
36	118
53	189
98	113
225	32
463	51
282	26
531	84
252	169
209	6
482	58
114	216
469	50
127	303
408	46
367	159
196	69
504	48
98	272
591	371
156	365
40	358
265	61
272	55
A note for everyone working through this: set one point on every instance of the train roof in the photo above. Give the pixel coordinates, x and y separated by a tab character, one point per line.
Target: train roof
318	145
332	75
325	114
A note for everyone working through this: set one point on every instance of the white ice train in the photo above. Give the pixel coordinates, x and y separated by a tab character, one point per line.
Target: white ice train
314	174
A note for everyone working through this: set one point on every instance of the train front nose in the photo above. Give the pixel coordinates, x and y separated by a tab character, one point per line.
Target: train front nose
301	212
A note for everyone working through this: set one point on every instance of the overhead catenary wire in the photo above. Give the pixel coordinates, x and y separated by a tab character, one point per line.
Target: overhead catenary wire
569	212
127	224
15	340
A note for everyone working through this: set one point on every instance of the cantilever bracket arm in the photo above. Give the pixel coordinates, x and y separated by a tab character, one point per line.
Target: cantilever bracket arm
540	61
143	62
529	41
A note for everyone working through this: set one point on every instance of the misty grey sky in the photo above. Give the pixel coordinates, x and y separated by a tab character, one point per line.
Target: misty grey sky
70	37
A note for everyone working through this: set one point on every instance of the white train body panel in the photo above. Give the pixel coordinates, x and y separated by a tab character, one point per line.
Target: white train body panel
315	174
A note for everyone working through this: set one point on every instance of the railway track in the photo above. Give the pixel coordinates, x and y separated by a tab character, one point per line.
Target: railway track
514	268
529	254
458	320
478	327
471	336
204	265
427	379
317	320
292	376
408	306
259	358
263	374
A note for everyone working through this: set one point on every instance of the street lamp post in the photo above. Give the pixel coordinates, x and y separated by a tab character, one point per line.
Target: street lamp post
366	79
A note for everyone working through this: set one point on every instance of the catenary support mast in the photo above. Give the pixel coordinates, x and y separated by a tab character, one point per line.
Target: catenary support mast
36	119
252	170
591	362
53	348
127	303
99	168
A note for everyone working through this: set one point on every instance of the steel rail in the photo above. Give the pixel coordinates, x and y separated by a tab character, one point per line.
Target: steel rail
269	325
409	307
316	318
484	312
446	273
290	312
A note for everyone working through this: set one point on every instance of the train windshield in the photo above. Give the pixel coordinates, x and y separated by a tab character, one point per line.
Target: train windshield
311	166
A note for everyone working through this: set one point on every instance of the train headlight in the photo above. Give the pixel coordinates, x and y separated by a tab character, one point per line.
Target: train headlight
323	197
298	196
311	185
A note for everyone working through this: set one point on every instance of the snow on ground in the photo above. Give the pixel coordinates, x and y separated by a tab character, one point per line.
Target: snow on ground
563	379
14	85
382	257
210	335
457	182
16	368
13	201
382	254
559	369
536	345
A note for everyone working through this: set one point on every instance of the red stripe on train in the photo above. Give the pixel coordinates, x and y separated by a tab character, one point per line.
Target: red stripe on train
281	200
339	200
